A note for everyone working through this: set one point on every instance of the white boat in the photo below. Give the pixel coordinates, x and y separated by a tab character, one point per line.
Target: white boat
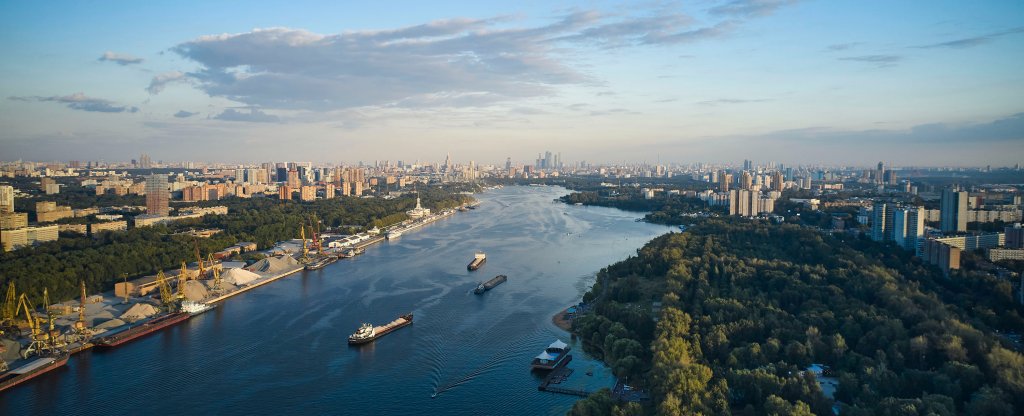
195	308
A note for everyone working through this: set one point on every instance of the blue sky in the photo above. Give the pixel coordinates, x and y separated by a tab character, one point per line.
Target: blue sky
849	82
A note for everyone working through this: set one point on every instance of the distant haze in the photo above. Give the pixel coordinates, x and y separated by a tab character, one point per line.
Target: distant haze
837	82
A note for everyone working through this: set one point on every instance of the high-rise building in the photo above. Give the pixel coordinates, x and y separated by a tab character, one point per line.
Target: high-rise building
157	195
145	162
777	181
746	181
908	226
6	199
329	191
293	179
1014	236
307	193
724	181
284	193
882	221
953	211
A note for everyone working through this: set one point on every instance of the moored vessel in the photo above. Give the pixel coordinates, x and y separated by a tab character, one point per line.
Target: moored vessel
194	308
478	260
141	330
551	356
31	370
321	262
490	284
367	332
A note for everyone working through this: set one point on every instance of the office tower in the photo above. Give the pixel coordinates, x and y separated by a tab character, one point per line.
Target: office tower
282	174
879	173
157	195
747	165
953	211
145	162
6	199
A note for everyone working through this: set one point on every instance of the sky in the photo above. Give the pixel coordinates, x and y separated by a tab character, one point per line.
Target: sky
923	83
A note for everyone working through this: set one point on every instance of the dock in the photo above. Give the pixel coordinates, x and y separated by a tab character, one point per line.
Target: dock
557	376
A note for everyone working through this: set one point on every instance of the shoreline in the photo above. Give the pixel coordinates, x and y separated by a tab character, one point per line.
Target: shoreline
559	320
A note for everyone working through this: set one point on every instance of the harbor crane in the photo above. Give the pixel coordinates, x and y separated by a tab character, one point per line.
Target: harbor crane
10	311
165	289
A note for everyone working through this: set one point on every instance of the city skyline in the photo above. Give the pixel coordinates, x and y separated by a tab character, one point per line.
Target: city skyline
792	81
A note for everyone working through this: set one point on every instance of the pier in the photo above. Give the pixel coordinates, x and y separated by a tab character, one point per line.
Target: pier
557	376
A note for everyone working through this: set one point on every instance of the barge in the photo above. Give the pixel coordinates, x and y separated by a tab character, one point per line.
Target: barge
146	328
490	284
478	260
368	332
31	370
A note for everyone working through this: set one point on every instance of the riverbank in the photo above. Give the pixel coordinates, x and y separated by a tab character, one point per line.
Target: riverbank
559	319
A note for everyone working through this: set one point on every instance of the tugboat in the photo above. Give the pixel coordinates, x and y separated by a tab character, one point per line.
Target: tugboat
478	260
367	332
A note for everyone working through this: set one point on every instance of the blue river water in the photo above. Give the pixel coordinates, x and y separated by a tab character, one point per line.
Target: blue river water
281	348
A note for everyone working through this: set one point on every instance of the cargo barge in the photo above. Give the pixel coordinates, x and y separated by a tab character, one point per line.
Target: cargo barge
490	284
551	357
368	333
142	330
31	370
321	262
478	260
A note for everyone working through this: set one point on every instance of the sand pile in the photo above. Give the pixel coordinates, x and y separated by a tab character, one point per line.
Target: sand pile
224	285
113	323
139	311
194	290
11	349
274	265
238	277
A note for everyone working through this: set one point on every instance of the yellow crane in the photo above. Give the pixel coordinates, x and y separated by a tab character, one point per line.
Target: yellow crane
216	280
36	344
305	249
165	289
11	303
199	260
52	336
182	278
9	311
80	323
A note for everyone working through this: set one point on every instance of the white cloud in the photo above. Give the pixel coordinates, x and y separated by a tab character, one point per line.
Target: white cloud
161	80
120	58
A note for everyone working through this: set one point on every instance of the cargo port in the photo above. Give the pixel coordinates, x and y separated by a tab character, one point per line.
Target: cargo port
490	284
35	343
368	333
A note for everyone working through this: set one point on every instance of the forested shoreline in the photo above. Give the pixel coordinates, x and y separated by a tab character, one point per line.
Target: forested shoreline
744	307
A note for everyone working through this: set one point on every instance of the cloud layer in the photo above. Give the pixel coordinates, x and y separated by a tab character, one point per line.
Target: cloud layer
119	58
457	62
79	101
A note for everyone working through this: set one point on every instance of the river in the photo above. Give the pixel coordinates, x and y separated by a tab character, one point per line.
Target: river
281	348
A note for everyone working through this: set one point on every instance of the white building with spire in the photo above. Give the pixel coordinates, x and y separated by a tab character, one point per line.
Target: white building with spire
419	211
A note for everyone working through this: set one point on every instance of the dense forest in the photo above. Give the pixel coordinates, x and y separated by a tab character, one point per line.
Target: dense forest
726	317
105	260
662	209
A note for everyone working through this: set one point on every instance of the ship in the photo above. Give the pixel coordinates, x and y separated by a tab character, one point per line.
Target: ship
31	370
146	328
368	332
551	357
393	234
490	284
194	308
478	260
321	262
